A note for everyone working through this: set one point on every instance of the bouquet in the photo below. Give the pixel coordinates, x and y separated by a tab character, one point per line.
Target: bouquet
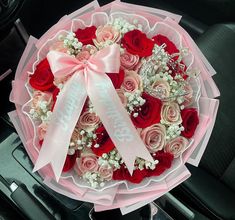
111	103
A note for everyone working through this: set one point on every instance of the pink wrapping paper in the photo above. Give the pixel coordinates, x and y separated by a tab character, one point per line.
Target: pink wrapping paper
148	10
123	201
212	109
119	196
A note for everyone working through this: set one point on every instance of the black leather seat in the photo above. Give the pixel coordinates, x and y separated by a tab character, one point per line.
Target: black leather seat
211	188
12	47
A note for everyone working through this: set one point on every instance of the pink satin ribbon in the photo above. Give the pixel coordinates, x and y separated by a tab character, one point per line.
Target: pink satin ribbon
88	79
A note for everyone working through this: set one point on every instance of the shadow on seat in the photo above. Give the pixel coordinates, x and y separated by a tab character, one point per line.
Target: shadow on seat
211	188
11	47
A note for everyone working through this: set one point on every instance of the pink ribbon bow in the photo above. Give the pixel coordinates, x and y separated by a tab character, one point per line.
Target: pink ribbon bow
88	79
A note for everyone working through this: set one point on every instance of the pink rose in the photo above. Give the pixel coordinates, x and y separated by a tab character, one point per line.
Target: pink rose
89	48
154	137
138	67
106	35
76	135
42	129
161	89
188	98
83	56
88	121
176	146
38	97
170	113
106	172
86	163
128	60
131	82
122	97
86	52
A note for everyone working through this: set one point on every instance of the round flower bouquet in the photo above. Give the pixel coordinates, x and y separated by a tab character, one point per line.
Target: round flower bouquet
111	103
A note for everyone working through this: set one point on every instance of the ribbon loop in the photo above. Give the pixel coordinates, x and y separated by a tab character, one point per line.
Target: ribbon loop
62	64
96	84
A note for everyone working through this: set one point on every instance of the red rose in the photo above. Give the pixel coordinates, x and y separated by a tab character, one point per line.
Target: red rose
40	143
70	161
120	174
137	43
190	121
54	96
123	174
171	49
42	79
137	176
86	35
149	113
117	78
103	140
165	161
170	46
55	93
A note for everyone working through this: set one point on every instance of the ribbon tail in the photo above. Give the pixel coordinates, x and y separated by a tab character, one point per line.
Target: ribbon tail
115	119
140	151
65	115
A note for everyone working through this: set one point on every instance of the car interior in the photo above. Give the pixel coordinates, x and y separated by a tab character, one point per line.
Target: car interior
210	191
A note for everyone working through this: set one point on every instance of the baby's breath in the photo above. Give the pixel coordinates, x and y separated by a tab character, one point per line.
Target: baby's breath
144	164
123	26
174	131
72	44
134	101
41	111
93	179
112	159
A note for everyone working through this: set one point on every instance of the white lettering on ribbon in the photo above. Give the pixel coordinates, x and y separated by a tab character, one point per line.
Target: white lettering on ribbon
88	80
70	104
121	130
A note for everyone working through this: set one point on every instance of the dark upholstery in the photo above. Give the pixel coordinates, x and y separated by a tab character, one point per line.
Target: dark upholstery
207	11
218	45
209	194
212	186
11	47
9	11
